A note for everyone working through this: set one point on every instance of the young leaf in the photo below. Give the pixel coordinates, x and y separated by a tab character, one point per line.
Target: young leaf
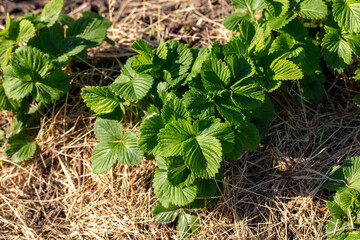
173	137
133	87
313	9
169	194
347	14
173	110
251	7
26	31
278	7
233	20
215	75
165	215
284	70
223	133
334	207
149	130
351	169
114	145
6	47
336	51
51	12
8	103
188	224
100	99
203	155
142	47
248	95
21	147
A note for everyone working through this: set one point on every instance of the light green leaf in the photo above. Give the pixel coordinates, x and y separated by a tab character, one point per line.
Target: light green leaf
108	130
188	224
354	43
174	109
336	51
165	215
233	20
251	7
114	145
248	95
52	87
29	63
236	46
132	88
223	132
8	103
26	31
173	137
347	14
51	12
351	169
284	70
198	105
203	155
282	44
149	130
6	47
357	74
169	194
15	87
100	99
278	7
334	207
141	46
354	235
21	147
215	75
347	198
313	9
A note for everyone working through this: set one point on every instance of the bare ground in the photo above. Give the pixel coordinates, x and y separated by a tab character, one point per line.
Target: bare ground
273	193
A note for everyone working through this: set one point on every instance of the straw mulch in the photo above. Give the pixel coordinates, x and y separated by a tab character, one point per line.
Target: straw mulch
273	193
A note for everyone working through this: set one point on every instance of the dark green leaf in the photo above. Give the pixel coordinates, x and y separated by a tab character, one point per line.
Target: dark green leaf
149	130
165	215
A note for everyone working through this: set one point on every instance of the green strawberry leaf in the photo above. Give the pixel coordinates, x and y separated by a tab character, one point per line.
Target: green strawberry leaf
7	103
169	194
240	68
26	31
229	110
173	110
198	105
165	215
248	95
334	206
21	147
177	172
133	87
251	7
336	51
100	99
6	47
263	117
188	224
347	14
141	46
51	87
351	169
114	145
149	130
215	74
313	9
51	12
233	20
284	70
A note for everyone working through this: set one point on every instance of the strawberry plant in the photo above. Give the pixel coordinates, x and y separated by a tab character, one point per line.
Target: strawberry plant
196	108
35	53
305	31
344	205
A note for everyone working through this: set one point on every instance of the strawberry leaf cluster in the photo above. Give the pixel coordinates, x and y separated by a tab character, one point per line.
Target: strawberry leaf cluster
197	108
310	30
344	205
34	51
